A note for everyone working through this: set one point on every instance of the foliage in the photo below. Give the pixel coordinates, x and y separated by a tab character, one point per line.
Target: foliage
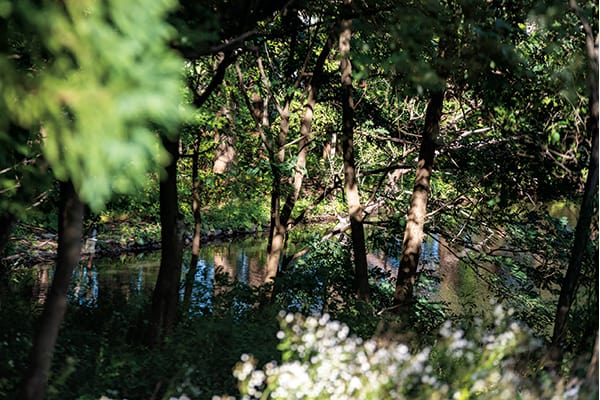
92	83
236	215
104	85
322	280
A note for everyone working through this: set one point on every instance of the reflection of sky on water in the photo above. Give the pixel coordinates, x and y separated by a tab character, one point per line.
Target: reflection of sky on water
84	286
94	281
242	266
242	260
430	251
235	259
203	288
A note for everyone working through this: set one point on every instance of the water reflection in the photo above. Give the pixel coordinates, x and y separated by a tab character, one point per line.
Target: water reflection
41	282
241	260
199	287
124	277
447	273
131	276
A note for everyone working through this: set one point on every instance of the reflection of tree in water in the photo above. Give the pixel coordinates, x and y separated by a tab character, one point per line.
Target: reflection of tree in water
242	266
202	287
84	285
256	270
41	283
110	280
223	265
107	281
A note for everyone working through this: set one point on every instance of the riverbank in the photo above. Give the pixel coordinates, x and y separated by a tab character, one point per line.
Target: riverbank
31	245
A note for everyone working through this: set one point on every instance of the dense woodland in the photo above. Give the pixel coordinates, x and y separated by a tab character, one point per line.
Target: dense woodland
334	131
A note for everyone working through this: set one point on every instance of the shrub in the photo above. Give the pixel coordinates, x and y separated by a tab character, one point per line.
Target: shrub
321	360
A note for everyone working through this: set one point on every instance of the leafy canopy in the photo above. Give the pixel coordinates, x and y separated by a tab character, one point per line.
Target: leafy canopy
101	81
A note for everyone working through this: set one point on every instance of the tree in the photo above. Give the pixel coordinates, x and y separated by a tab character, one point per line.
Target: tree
95	86
166	292
69	246
415	221
165	297
588	203
413	235
355	210
297	72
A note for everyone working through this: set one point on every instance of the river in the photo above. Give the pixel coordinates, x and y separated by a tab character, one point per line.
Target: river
444	277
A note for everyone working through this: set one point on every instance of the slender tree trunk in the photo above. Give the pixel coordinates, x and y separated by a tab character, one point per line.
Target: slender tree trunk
413	234
277	229
582	230
355	209
166	292
7	223
193	267
70	227
581	240
305	138
225	154
199	100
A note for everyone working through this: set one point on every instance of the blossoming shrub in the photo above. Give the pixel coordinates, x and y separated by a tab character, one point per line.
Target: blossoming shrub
321	360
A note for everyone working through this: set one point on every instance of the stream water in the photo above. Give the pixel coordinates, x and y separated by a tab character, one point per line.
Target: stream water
244	259
135	275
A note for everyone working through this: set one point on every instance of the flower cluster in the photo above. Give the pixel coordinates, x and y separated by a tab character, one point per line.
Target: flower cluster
321	360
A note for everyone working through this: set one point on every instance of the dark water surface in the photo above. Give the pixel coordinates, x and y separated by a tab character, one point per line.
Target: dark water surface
135	275
243	259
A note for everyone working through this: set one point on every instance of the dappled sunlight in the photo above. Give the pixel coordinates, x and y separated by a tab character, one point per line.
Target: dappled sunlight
321	359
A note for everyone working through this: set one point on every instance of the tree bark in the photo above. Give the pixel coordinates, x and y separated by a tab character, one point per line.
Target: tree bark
303	143
7	223
569	285
166	292
581	240
582	230
305	133
225	154
277	230
189	280
355	209
199	100
70	227
413	233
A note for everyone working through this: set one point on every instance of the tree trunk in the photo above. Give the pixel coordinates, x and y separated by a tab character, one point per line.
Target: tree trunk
189	280
7	223
582	230
277	230
225	154
413	233
582	235
166	291
305	138
199	100
70	227
355	209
